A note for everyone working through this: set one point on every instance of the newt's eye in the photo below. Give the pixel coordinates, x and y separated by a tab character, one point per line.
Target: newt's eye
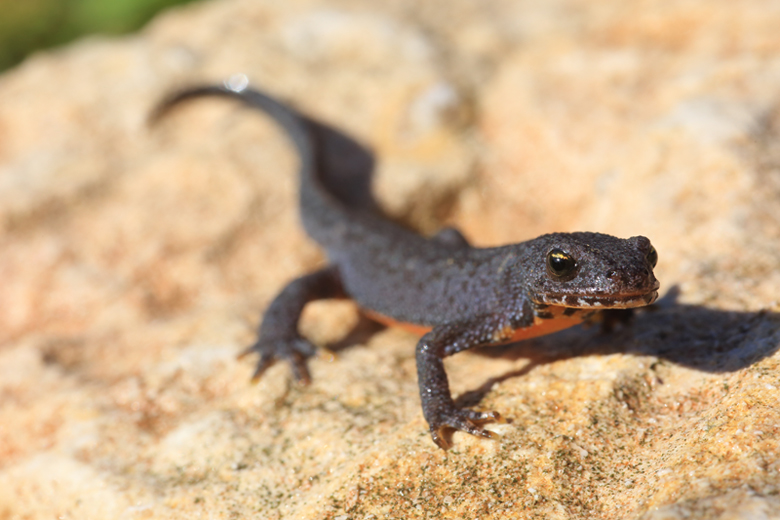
560	264
652	256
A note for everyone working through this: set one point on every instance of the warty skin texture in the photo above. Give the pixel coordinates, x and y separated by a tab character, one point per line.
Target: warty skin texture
460	296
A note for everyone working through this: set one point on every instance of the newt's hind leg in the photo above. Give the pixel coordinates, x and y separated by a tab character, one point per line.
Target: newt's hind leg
278	336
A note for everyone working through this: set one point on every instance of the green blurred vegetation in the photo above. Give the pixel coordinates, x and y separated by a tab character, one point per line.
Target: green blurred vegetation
29	25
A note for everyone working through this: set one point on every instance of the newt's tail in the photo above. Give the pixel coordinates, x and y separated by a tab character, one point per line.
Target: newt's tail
294	125
335	171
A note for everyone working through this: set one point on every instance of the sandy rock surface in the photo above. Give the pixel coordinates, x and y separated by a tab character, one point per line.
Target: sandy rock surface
135	262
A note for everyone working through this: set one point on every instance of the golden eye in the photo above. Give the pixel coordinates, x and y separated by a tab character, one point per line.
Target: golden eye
560	264
652	256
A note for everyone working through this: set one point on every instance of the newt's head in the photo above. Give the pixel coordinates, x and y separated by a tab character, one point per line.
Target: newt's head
591	271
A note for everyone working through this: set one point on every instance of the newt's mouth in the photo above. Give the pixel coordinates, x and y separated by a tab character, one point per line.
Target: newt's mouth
616	301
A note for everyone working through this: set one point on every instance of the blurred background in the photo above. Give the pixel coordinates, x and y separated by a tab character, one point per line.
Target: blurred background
30	25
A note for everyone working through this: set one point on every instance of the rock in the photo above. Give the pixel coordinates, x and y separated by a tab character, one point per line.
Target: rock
136	260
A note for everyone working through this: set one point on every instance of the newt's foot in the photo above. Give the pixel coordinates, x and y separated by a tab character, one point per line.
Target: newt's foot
293	350
464	420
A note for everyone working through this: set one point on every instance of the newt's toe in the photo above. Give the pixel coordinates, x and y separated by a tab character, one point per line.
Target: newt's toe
467	421
264	364
295	351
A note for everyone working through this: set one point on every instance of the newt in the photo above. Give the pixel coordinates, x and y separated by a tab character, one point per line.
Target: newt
455	295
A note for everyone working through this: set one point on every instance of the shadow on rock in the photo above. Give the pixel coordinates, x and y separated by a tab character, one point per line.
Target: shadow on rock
694	336
690	335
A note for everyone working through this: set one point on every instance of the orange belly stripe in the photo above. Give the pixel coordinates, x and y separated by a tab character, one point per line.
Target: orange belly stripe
540	327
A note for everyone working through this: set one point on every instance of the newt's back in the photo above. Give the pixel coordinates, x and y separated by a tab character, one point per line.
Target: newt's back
464	297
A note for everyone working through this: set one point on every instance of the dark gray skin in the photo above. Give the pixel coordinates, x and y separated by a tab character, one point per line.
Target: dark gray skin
468	297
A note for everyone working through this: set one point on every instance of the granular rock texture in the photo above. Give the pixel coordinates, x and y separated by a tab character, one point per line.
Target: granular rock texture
136	260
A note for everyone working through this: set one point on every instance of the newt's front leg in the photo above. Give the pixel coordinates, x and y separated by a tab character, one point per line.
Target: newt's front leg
437	404
278	338
439	408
